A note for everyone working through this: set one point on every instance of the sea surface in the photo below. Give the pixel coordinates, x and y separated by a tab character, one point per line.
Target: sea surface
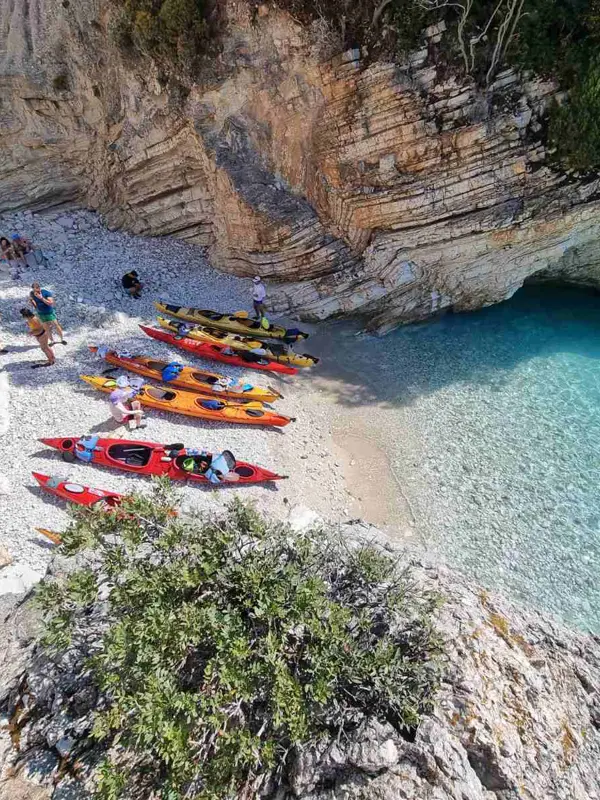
491	424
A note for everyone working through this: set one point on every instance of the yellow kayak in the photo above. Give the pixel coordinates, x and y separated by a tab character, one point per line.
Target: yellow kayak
275	351
179	401
239	322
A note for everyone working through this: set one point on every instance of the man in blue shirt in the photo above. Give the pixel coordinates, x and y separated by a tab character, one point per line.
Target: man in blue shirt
43	302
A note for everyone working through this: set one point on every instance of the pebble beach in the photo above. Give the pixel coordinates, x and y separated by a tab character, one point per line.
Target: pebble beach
86	262
474	438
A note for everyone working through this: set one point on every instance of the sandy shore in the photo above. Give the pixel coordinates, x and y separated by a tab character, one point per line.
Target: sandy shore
335	467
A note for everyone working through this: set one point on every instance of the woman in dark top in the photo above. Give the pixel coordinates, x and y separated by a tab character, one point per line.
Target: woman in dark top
131	284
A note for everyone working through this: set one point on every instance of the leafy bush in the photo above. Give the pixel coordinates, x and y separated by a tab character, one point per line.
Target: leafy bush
220	643
174	32
575	126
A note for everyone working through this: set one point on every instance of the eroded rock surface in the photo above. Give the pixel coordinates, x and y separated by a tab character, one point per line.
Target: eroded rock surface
392	191
517	714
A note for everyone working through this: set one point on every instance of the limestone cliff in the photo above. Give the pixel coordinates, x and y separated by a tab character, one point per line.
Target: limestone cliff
517	715
389	190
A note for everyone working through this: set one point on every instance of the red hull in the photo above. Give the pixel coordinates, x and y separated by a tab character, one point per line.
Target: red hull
149	458
74	493
215	352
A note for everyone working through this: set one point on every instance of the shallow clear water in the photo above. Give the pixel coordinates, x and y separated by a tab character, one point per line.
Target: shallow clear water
492	421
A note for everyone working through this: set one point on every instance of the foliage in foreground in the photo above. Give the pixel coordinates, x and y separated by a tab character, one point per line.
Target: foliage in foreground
220	644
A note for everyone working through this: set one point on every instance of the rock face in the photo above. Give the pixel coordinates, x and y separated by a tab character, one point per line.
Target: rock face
517	715
392	191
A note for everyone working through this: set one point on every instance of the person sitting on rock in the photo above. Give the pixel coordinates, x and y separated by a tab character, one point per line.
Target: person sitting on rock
131	283
10	255
123	407
26	250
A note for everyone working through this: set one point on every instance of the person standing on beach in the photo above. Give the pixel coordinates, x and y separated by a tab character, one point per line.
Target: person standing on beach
43	302
38	329
258	297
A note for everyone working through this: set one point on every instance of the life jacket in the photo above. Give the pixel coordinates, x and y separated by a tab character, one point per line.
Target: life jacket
85	447
171	371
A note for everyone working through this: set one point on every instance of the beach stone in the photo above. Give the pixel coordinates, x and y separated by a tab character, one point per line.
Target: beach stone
19	789
301	517
5	556
18	579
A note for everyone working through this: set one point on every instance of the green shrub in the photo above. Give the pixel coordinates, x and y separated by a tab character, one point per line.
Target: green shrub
575	126
174	32
220	643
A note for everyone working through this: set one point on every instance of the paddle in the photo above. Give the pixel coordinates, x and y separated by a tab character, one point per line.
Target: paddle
56	538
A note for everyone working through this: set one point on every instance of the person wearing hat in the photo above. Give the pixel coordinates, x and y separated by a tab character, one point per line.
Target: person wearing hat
258	297
131	283
122	405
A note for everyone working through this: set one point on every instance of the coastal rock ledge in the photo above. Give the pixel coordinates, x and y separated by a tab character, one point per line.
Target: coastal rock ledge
387	190
517	714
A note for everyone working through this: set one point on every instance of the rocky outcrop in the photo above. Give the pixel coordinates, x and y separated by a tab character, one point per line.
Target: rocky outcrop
392	191
517	714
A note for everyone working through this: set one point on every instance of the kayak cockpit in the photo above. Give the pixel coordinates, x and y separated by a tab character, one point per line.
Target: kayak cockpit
134	455
210	380
156	393
201	463
156	365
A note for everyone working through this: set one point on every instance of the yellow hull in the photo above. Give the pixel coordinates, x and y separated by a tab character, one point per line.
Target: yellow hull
163	398
242	343
190	378
239	322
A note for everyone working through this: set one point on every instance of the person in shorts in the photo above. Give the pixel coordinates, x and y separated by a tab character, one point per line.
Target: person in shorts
123	408
258	297
43	302
38	329
131	283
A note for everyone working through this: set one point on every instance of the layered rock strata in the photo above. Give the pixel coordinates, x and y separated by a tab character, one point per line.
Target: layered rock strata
389	190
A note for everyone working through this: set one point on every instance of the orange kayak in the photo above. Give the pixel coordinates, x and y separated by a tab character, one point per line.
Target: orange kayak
163	398
190	378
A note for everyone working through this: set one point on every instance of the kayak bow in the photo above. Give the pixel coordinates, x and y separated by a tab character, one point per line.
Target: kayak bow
75	493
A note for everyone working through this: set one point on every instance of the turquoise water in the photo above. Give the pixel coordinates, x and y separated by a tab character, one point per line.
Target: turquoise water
492	422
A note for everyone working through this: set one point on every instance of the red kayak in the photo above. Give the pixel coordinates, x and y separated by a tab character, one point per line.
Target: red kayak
75	493
218	352
149	458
